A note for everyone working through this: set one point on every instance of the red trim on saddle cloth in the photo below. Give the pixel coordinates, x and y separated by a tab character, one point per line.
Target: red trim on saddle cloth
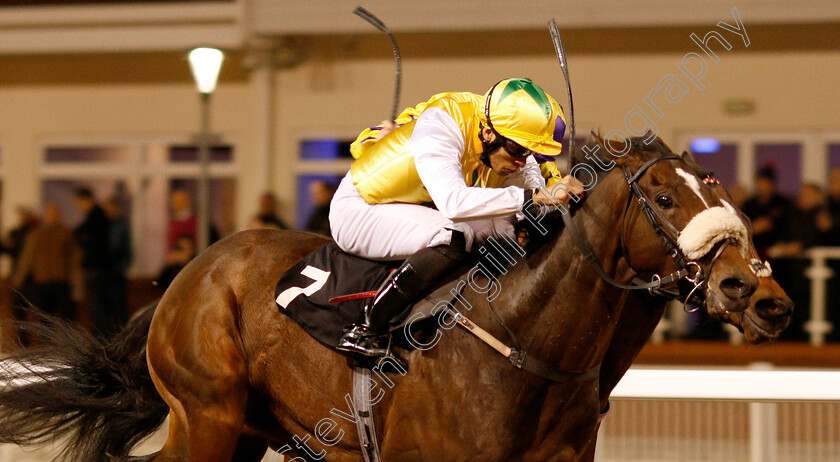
347	298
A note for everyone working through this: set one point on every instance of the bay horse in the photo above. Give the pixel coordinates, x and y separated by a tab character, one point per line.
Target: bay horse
235	376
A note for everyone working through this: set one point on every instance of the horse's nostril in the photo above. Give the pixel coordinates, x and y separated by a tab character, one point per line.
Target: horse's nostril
736	288
773	307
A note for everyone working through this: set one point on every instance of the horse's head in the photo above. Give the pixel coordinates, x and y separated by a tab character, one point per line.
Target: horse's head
678	217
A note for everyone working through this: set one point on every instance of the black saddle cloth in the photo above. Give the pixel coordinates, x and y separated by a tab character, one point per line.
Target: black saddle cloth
305	291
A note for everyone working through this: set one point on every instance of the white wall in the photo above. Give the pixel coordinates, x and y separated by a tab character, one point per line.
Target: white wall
791	92
325	97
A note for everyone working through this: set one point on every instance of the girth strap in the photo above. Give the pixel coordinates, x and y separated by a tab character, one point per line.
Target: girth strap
364	409
521	360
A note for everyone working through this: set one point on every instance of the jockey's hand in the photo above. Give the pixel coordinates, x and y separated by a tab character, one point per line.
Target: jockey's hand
387	127
559	193
494	227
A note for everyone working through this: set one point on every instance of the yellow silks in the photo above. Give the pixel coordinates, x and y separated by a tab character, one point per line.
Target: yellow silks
384	171
550	173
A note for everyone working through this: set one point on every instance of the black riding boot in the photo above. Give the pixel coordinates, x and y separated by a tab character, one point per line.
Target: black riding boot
414	279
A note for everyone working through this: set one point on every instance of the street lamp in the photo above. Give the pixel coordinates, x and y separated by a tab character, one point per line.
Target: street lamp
205	64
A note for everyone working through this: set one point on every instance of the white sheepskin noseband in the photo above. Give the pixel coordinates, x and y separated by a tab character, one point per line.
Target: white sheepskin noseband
709	227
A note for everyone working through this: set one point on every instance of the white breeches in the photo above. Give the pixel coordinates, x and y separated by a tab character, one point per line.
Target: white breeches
397	231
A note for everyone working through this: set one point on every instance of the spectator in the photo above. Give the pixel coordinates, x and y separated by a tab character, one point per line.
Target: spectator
183	221
92	237
833	201
267	215
808	225
182	252
119	248
14	241
768	210
13	246
51	259
321	193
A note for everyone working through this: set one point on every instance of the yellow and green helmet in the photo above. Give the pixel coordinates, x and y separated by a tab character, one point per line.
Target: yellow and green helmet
519	110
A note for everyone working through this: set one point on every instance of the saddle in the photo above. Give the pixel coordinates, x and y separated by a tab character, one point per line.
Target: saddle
328	289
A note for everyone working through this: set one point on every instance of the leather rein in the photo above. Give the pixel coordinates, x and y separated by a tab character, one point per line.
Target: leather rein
691	270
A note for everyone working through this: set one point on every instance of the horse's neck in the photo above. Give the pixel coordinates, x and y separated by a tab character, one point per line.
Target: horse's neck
638	319
564	311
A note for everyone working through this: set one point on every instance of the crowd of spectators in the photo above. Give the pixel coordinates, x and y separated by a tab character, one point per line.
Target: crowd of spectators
81	273
60	269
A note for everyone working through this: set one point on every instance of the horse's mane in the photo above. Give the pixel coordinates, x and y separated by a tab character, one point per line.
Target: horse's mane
600	155
598	151
595	154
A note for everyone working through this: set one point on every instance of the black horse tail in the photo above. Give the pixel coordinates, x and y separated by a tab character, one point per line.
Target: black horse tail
95	392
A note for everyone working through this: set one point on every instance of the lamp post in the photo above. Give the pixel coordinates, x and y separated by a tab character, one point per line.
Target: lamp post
205	64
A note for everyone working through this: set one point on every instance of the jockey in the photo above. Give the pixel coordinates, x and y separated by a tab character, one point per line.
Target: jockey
432	186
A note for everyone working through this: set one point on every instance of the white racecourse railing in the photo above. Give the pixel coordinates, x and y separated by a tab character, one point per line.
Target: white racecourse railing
819	273
723	415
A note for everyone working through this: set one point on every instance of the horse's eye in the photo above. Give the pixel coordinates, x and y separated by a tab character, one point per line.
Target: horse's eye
664	201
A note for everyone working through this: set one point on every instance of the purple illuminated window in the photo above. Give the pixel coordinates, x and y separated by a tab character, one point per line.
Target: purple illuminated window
833	156
786	160
723	163
57	154
190	154
325	149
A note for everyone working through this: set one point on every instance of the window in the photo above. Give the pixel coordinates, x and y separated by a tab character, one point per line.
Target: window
797	158
786	161
141	175
833	155
190	154
92	154
723	162
307	198
322	159
62	192
325	149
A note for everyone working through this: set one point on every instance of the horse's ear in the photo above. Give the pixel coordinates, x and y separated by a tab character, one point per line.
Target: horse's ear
688	157
578	155
699	170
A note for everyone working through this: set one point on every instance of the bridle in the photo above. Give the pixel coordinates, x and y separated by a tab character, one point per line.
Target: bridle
689	270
